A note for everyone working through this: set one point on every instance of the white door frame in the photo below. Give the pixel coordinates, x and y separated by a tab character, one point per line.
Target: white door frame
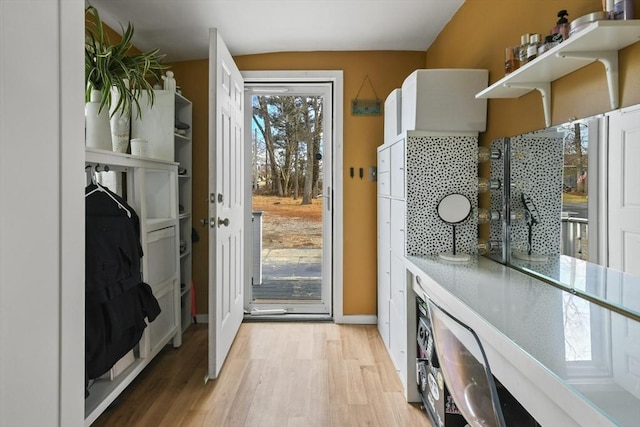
335	77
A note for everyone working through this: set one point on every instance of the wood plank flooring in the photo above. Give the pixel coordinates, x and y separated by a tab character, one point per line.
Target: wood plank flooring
276	375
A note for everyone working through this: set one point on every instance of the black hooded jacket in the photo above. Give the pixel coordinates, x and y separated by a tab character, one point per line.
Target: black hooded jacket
117	301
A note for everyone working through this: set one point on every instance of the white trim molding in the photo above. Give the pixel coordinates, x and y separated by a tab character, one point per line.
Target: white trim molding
336	77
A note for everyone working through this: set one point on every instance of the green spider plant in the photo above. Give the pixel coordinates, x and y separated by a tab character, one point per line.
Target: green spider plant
110	66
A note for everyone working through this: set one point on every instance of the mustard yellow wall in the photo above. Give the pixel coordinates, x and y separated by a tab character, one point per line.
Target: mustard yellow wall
477	35
361	135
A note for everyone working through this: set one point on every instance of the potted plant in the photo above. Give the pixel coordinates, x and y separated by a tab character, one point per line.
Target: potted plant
116	75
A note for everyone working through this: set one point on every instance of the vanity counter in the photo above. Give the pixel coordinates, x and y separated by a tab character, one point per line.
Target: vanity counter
569	361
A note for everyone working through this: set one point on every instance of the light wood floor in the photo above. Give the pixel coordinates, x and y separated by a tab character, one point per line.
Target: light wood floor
276	375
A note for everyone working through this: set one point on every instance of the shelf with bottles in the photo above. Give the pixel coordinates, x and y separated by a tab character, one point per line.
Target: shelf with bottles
599	41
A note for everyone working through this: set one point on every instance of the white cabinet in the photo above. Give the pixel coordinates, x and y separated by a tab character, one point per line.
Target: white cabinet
167	127
416	170
392	322
151	188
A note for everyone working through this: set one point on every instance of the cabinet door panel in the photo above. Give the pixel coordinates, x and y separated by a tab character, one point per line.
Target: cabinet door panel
397	169
397	227
398	284
398	342
384	183
384	157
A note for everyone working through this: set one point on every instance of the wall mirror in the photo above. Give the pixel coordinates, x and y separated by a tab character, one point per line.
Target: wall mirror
556	211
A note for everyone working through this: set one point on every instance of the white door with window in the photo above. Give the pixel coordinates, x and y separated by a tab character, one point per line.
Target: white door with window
226	202
301	285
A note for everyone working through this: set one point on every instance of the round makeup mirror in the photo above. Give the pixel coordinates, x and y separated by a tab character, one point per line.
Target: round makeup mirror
454	209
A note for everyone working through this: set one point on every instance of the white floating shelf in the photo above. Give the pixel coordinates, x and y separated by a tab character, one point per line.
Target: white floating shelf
600	41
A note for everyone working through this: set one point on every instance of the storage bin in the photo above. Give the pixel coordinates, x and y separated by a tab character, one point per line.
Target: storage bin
393	115
444	100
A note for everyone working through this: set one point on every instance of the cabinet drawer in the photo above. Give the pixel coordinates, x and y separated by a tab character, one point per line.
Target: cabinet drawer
384	223
384	183
383	160
163	325
161	255
397	169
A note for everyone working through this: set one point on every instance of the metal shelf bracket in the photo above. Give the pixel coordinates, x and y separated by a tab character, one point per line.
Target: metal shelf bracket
545	90
609	59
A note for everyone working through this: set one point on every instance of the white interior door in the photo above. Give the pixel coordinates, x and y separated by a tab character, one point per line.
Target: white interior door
226	202
624	191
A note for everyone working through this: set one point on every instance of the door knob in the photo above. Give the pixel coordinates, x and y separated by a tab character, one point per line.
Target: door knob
224	222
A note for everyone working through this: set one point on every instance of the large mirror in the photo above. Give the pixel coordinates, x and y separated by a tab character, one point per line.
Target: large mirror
565	202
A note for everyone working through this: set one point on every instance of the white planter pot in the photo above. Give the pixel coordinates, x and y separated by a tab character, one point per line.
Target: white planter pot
120	125
97	129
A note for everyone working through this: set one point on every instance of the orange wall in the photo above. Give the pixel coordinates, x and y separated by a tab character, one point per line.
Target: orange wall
361	136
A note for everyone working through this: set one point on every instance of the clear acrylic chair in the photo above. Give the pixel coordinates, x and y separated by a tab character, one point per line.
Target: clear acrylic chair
465	369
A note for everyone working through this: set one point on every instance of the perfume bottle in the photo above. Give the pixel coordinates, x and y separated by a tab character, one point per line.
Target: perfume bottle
485	184
532	47
511	61
562	26
522	49
485	154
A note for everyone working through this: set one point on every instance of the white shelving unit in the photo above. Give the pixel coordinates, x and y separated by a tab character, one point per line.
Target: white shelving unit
183	156
152	190
167	142
599	41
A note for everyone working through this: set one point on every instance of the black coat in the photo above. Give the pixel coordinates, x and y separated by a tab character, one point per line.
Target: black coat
117	300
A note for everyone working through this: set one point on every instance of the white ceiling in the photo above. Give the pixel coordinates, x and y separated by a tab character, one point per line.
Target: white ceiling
180	27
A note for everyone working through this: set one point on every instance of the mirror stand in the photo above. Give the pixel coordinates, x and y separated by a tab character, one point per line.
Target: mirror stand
453	210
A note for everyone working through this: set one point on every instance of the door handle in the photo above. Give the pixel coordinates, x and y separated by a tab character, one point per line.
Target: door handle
224	222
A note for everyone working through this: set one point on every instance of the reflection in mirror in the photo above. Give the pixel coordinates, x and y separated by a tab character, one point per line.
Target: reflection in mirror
454	209
580	176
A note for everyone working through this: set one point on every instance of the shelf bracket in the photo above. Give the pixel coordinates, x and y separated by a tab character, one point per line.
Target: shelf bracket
545	90
609	59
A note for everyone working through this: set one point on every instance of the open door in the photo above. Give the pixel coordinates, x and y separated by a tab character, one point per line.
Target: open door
226	202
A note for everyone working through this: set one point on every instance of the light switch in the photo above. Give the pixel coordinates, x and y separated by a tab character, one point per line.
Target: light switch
373	173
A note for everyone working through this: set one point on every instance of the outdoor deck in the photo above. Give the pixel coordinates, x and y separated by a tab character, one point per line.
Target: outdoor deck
290	275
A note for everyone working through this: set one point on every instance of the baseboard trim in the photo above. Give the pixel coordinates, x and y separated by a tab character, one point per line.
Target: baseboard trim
202	318
358	319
